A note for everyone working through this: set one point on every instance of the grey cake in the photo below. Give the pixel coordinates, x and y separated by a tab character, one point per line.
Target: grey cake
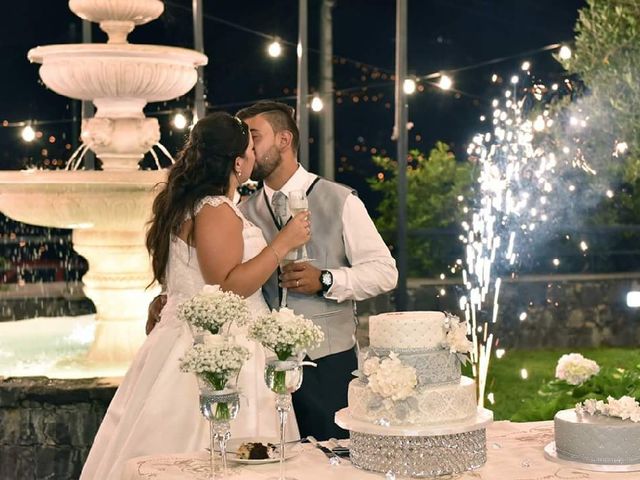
596	439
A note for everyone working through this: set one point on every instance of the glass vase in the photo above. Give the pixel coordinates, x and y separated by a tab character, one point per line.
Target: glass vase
283	377
219	407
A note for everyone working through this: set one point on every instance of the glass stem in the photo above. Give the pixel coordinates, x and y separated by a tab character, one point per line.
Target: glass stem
283	404
222	433
222	441
212	437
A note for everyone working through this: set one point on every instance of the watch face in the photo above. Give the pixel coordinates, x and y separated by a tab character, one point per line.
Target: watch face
326	278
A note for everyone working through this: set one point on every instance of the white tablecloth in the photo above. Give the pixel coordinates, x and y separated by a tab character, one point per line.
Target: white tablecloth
515	452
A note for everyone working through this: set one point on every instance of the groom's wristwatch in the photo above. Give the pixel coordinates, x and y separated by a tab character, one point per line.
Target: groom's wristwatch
326	280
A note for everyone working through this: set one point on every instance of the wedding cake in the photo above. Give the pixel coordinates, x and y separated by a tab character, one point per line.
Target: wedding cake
599	433
409	410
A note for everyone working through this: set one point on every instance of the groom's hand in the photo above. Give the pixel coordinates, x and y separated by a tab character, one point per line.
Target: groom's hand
153	313
301	277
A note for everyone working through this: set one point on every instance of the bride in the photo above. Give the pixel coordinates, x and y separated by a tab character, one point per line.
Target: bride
197	236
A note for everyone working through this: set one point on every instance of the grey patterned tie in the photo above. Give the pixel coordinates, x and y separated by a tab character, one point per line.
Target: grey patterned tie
280	208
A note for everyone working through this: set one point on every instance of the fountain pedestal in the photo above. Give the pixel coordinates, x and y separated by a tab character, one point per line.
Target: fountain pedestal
117	283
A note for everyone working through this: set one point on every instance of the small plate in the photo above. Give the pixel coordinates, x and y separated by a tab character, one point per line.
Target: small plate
291	450
551	454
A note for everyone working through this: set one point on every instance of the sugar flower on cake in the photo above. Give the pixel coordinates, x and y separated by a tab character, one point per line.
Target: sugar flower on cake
456	335
370	365
212	308
286	333
574	369
390	378
625	407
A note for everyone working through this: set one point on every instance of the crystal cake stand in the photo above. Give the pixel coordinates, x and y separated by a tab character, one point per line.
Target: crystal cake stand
418	451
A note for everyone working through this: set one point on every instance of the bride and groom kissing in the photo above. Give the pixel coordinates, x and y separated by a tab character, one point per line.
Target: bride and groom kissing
199	236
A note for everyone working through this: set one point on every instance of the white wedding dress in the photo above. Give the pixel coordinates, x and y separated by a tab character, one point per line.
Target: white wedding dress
156	408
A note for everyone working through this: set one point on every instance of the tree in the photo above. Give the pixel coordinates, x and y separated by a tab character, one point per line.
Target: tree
606	57
435	184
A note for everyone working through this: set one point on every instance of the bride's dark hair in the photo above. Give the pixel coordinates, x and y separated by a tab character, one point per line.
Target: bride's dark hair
203	167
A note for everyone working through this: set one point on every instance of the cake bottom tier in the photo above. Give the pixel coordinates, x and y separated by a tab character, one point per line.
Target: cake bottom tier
419	456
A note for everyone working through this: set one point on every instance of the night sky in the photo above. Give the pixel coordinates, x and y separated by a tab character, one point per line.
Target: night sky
443	35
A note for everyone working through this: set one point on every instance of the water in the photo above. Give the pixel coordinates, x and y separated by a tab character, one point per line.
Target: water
219	406
55	347
283	377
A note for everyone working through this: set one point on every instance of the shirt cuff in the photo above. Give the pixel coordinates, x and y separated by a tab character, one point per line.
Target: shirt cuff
339	290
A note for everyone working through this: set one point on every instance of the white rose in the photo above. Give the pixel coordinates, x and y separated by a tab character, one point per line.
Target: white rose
211	289
370	365
286	314
392	379
456	336
212	340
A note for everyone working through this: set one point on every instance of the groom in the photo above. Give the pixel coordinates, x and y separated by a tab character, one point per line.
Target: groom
351	262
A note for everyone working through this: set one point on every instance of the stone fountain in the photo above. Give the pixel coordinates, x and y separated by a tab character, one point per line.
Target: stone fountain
107	210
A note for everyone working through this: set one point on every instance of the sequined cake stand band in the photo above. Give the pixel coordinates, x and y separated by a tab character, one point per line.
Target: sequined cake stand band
417	451
550	453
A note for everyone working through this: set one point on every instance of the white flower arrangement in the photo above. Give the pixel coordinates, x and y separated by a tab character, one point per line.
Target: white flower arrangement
456	335
286	333
390	378
215	361
212	308
626	408
574	369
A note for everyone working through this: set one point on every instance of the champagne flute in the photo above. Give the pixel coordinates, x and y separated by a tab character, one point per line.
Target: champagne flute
299	203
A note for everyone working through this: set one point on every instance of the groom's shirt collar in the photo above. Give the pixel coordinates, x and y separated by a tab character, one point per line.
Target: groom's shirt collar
300	180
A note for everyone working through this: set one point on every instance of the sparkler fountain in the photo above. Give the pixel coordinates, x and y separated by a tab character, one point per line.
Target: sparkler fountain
514	186
107	210
521	176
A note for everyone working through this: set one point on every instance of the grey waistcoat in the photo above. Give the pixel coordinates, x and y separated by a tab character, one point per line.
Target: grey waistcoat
326	203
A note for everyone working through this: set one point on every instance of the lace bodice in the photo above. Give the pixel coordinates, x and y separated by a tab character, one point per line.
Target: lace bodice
183	278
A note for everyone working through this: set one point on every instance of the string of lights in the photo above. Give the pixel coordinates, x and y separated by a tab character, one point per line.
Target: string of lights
275	46
445	82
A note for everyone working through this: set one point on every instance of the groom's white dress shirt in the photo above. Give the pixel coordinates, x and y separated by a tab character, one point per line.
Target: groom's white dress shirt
373	269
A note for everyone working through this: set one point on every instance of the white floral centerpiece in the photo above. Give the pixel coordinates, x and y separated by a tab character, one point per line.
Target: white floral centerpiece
625	407
215	362
213	308
285	333
574	369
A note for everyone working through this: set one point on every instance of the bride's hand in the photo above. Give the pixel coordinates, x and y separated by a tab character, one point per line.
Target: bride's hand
295	233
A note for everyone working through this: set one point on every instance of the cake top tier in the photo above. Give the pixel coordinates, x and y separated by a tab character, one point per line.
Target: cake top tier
400	330
571	416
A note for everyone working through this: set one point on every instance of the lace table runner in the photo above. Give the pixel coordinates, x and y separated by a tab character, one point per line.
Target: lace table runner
515	451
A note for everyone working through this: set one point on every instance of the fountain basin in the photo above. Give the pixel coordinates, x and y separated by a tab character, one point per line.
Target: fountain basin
108	212
120	78
80	199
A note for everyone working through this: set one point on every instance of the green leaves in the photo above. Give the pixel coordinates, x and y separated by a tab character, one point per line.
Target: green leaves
558	395
434	184
606	57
